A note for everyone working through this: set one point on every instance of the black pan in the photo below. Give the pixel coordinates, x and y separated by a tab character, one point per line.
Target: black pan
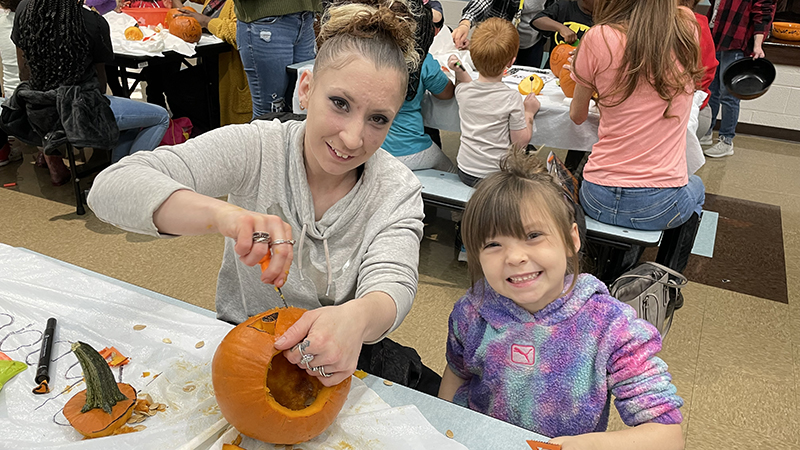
749	78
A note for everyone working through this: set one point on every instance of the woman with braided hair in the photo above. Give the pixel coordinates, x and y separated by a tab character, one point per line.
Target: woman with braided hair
60	43
340	218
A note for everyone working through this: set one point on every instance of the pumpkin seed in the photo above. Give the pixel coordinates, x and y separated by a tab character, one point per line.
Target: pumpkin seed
387	382
199	344
147	398
162	407
189	388
139	327
167	340
449	434
139	428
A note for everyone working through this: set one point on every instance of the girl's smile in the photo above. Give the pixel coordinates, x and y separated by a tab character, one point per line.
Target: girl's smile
528	271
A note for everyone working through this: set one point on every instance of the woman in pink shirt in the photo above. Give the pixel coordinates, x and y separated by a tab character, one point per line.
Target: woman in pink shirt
643	60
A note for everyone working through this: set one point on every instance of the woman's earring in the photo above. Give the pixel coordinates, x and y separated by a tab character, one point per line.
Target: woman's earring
302	106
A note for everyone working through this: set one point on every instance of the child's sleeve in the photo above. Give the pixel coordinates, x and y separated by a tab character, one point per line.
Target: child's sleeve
593	53
457	331
433	78
516	117
557	11
638	379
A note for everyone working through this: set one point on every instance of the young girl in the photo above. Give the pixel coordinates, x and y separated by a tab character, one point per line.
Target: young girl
643	60
534	345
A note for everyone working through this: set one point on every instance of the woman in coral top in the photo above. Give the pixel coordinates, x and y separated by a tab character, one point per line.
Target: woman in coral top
636	176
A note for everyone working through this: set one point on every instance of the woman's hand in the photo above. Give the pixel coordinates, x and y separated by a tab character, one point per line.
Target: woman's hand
202	18
333	335
240	224
460	35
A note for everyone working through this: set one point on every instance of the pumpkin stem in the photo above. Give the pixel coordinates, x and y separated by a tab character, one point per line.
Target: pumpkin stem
101	388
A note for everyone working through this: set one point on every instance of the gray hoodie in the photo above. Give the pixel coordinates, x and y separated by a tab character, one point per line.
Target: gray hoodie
368	241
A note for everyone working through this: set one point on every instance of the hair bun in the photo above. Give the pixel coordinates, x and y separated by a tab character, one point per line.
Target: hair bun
369	19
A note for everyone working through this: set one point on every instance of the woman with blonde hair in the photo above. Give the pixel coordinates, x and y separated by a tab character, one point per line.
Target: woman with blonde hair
642	58
341	218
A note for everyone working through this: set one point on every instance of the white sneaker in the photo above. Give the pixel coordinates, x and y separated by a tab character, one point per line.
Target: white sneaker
707	139
719	149
462	254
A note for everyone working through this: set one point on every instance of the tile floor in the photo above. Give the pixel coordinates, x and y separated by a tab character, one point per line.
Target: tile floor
735	358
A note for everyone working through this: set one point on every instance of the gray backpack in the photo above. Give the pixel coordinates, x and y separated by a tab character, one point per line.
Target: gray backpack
653	291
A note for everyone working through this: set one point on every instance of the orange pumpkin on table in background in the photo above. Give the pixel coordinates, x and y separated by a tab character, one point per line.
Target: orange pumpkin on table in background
171	14
558	57
567	83
186	28
261	393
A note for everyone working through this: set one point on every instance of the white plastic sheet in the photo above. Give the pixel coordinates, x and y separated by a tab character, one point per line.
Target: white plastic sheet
154	43
101	313
365	422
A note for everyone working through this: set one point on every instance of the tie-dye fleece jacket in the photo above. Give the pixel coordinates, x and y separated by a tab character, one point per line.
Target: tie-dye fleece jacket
554	371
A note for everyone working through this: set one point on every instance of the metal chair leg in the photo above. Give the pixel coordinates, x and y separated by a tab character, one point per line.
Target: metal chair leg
76	182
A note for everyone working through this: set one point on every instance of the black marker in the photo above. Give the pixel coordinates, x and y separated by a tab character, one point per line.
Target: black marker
42	375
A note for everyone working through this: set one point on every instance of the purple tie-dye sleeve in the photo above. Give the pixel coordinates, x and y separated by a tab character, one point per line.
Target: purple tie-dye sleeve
638	379
455	344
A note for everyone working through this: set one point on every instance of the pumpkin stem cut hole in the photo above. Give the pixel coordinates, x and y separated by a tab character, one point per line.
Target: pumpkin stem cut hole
290	385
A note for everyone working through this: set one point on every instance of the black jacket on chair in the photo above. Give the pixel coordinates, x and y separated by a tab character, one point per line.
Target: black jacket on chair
79	114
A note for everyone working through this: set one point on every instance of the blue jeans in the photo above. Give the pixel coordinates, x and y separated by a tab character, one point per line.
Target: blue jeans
266	47
730	104
643	208
141	126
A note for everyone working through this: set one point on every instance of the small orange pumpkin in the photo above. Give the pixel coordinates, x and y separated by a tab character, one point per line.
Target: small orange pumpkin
567	83
134	33
558	57
186	28
261	393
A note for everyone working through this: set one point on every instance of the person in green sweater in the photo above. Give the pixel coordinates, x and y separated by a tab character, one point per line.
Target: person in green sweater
271	36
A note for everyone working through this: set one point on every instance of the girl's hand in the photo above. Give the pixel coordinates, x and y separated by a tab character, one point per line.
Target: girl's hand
453	62
580	442
240	224
460	35
571	58
333	337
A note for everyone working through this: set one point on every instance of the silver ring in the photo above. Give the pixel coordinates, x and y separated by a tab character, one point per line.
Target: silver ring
283	241
307	358
321	371
261	237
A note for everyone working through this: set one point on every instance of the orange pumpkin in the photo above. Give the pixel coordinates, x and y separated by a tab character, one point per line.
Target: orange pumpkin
567	83
134	33
261	393
186	28
105	405
173	12
558	57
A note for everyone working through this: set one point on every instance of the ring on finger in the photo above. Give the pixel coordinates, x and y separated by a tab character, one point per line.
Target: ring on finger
307	358
261	237
283	241
321	371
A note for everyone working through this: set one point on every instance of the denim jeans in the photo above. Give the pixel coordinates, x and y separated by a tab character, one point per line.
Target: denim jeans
643	208
266	47
730	104
141	126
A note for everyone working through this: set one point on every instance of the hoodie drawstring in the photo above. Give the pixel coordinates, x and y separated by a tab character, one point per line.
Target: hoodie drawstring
300	251
328	264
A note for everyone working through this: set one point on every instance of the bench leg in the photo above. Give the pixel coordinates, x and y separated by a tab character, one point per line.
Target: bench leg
76	182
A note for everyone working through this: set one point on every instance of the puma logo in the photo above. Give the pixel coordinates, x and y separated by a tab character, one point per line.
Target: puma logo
523	354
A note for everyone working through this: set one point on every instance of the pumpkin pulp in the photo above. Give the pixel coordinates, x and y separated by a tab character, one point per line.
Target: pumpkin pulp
291	386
